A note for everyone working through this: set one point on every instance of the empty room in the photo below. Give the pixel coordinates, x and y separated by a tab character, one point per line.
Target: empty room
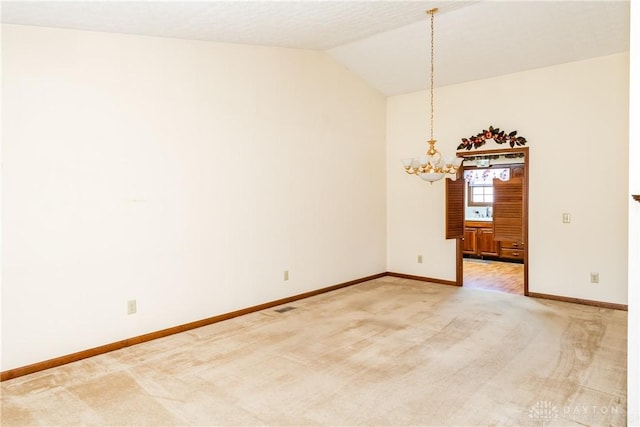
331	213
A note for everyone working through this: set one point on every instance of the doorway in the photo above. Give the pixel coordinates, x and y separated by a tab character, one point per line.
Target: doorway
492	252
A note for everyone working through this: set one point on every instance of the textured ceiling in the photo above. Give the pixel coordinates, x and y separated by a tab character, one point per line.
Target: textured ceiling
385	42
489	39
298	24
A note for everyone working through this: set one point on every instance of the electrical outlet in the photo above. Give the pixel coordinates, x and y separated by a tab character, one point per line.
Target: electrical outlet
131	306
595	278
286	275
419	259
566	218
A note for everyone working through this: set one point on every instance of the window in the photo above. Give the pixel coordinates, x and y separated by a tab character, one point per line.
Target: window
480	184
480	195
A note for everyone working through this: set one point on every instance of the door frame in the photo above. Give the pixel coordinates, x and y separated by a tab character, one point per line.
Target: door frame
525	210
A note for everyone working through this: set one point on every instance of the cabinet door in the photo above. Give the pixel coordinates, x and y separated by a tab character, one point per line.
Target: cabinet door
486	244
470	242
517	171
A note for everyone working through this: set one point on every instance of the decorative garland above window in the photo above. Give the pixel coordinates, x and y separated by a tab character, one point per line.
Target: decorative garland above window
499	136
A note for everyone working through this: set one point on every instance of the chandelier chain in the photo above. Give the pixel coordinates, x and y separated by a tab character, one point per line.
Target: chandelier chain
432	13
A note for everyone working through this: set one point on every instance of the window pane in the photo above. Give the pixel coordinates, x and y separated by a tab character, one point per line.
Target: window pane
480	194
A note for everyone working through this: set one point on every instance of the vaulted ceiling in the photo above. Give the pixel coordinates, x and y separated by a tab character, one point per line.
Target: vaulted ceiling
385	42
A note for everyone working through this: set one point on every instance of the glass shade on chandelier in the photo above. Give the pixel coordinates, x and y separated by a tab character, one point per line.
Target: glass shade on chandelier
432	167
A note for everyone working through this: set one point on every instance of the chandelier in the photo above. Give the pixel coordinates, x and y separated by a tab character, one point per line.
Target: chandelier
432	167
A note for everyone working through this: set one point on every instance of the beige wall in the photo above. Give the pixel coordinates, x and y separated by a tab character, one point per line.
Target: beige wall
187	175
633	354
574	116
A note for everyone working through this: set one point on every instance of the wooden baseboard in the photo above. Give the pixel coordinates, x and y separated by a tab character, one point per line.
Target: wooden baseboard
422	278
602	304
74	357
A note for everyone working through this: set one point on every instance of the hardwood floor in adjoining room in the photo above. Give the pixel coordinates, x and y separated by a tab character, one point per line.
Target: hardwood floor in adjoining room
389	351
493	275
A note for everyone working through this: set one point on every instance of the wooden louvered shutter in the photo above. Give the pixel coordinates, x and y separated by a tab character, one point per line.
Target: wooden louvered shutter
508	214
454	227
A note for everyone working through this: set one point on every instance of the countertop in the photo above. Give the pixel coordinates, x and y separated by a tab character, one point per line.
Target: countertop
478	222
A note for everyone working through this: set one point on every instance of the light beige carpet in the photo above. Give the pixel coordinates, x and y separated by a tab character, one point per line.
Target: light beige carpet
385	352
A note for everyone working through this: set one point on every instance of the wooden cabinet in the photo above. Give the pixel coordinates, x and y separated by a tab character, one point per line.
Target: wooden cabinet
479	241
470	242
512	249
517	170
486	244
